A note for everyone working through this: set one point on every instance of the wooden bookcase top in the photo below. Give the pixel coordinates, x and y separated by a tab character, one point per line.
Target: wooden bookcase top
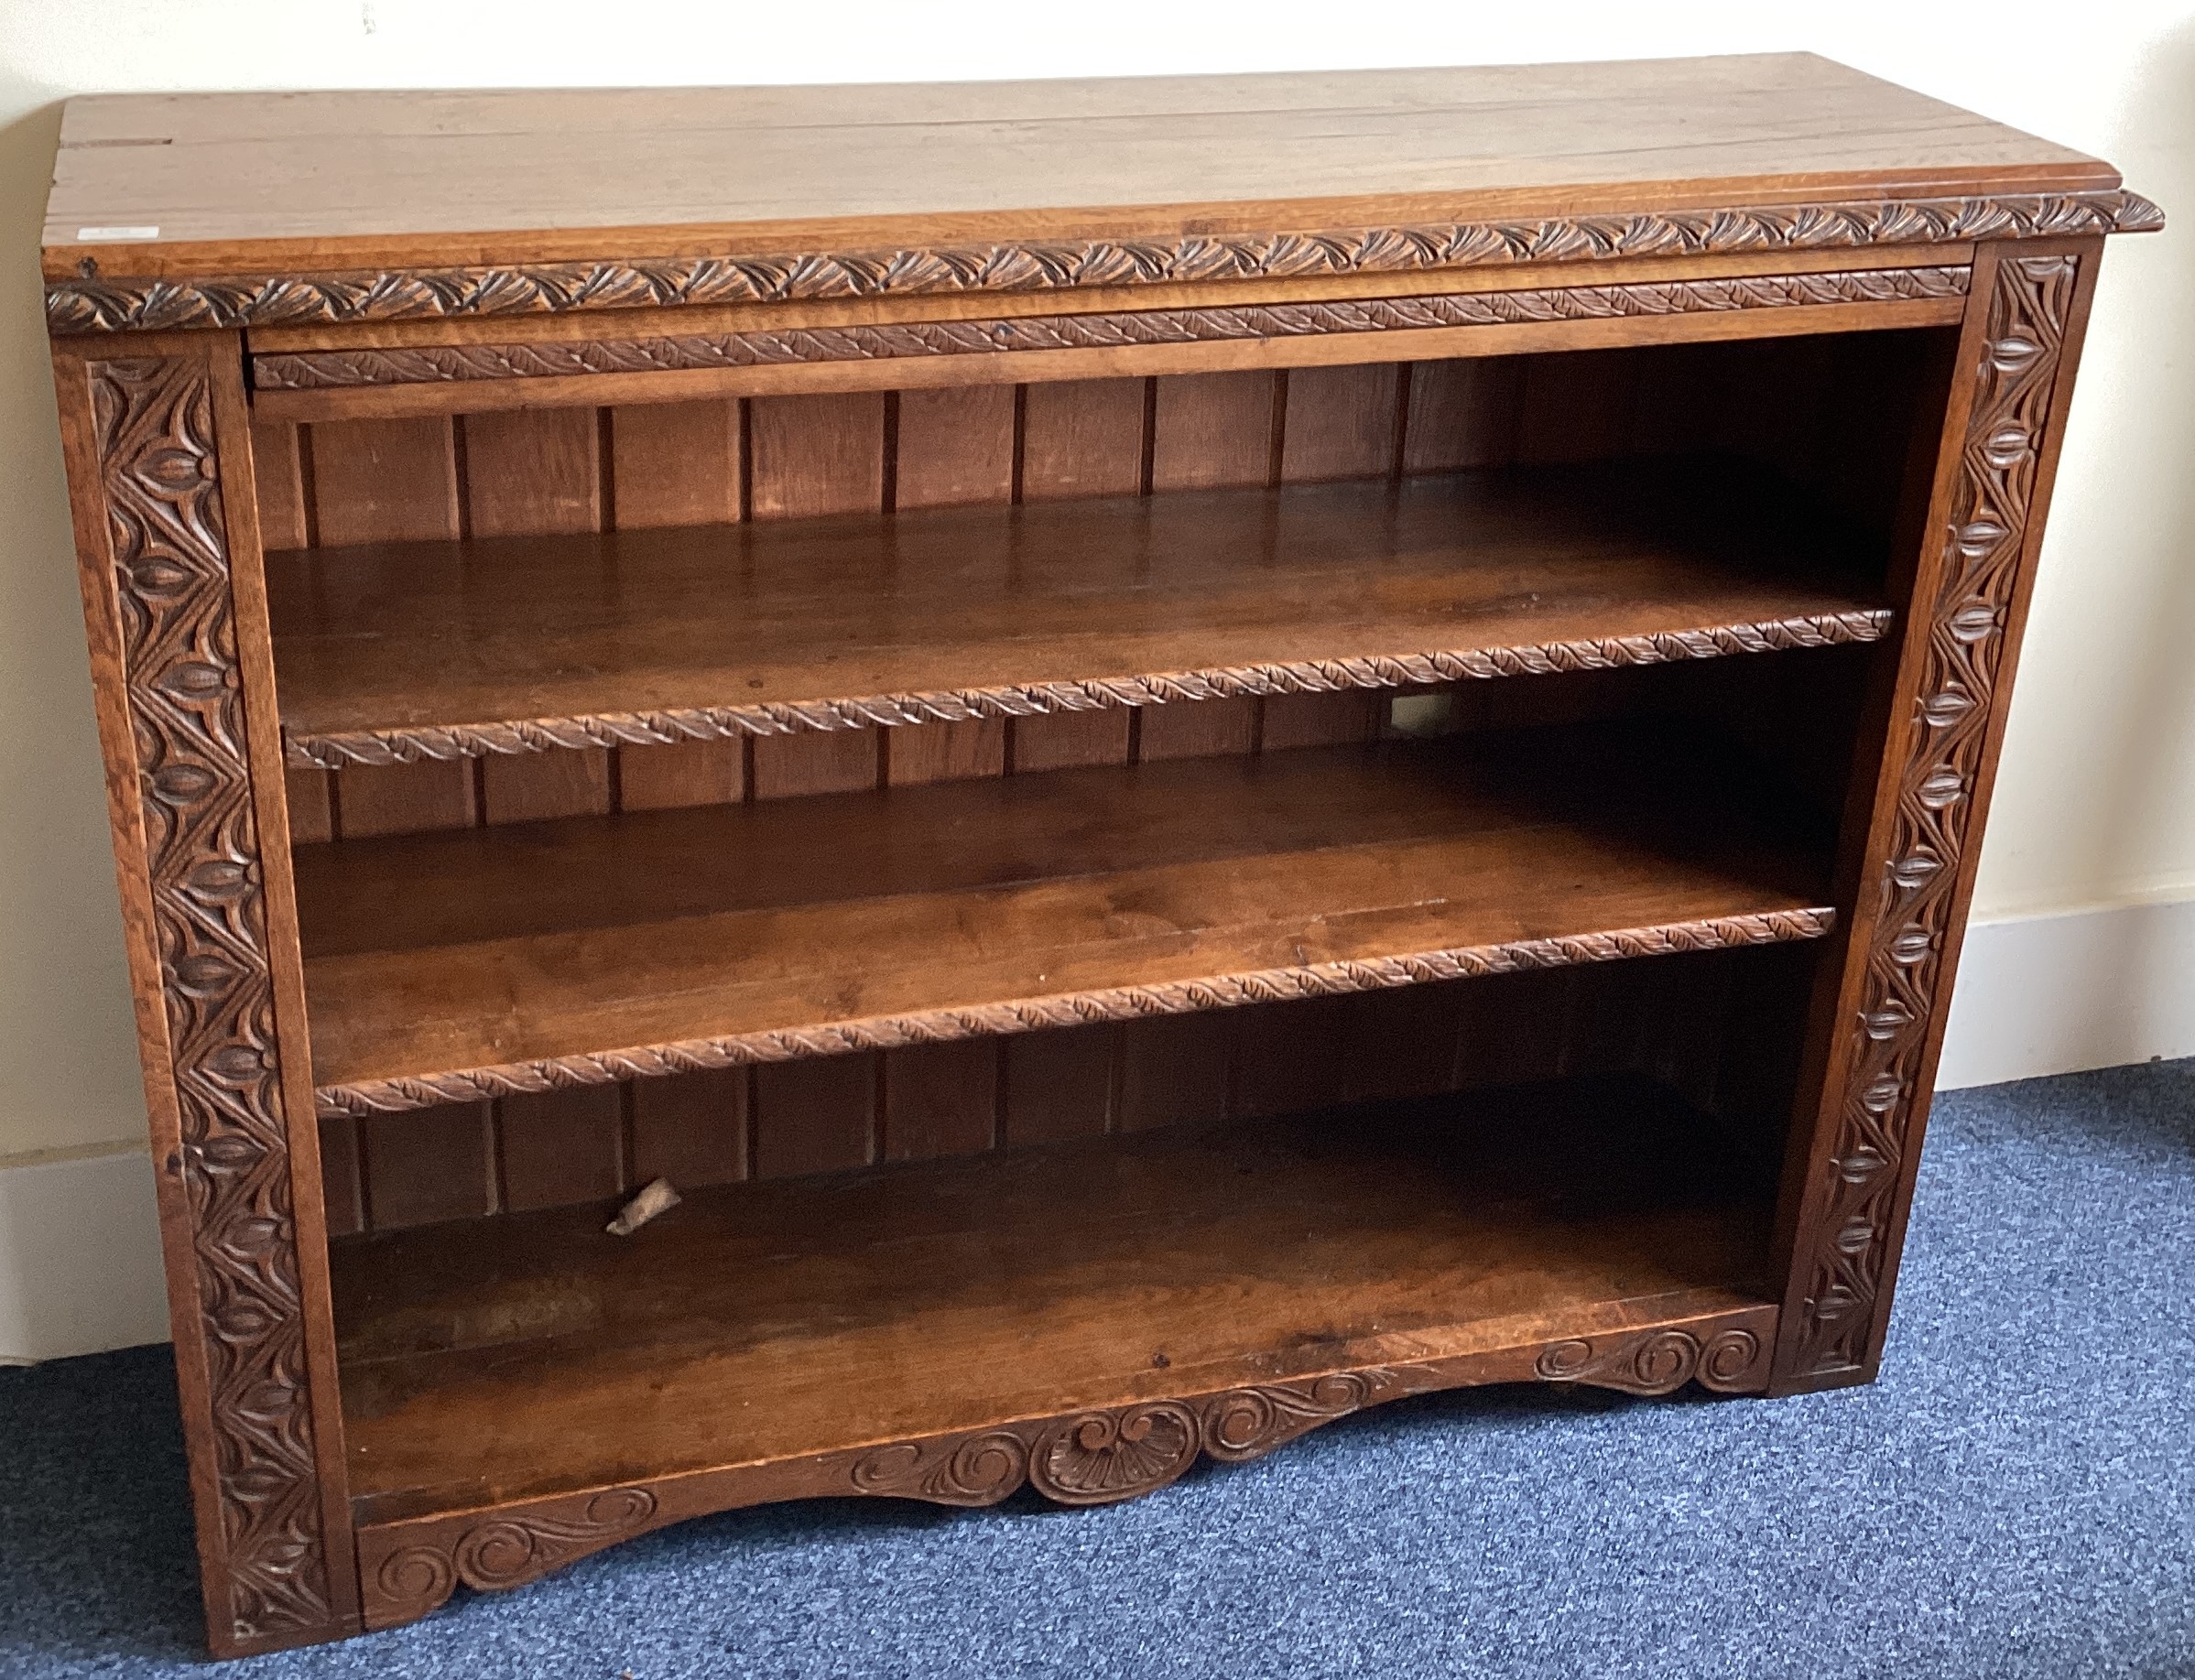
269	189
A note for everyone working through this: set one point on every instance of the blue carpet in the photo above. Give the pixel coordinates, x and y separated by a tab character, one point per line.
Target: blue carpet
2016	1496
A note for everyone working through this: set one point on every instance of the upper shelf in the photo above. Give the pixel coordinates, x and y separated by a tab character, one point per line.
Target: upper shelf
403	650
226	209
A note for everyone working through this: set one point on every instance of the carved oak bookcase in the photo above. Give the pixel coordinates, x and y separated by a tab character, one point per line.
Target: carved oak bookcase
1193	753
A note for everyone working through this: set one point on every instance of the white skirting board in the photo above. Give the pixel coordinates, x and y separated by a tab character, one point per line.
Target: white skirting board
2093	988
80	1258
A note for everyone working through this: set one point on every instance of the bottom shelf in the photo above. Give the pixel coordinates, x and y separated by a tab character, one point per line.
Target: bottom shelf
527	1356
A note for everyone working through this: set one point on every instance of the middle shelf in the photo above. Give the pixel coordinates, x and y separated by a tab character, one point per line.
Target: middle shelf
456	965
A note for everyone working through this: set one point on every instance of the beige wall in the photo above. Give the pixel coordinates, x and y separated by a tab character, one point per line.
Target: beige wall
2097	803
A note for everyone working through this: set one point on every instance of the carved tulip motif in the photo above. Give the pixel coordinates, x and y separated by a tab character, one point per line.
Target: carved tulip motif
155	428
2028	308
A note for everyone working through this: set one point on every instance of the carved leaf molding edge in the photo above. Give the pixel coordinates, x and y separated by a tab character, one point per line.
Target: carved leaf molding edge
96	303
335	749
449	363
364	1097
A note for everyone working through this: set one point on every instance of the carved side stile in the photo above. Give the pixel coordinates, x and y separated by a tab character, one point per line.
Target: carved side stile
153	421
1859	1203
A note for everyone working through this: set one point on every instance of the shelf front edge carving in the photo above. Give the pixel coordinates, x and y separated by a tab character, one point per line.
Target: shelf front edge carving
1096	1457
335	749
96	303
364	1097
152	419
1887	1043
457	363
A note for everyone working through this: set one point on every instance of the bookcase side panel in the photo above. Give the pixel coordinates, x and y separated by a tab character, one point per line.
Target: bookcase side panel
152	429
1856	1140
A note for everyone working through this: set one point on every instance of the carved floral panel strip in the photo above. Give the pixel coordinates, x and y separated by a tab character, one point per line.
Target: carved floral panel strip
2000	461
155	428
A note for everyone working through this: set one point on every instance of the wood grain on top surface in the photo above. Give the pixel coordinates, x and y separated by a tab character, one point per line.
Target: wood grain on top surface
517	174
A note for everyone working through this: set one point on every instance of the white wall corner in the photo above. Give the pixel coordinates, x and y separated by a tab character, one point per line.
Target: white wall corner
2093	988
79	1255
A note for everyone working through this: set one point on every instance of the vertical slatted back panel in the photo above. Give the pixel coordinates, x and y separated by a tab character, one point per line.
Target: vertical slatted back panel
1089	437
813	455
951	447
390	481
1333	423
393	481
536	472
676	464
710	462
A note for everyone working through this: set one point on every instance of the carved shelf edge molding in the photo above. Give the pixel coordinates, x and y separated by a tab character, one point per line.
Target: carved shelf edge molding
448	364
1885	1043
96	303
335	749
154	422
1099	1455
365	1097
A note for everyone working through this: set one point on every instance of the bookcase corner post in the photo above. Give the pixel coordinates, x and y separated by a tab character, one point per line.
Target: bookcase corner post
157	452
1878	1025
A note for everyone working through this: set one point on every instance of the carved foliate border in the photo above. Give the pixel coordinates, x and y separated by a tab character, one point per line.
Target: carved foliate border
455	364
2001	458
96	303
364	1097
335	749
153	421
1099	1455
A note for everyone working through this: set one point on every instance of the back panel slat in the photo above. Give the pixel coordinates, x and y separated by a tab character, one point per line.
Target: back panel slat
1208	431
1058	1084
1340	423
384	480
562	1146
390	481
691	1129
429	1166
674	465
810	456
940	1099
816	1116
1083	438
1462	414
951	447
954	447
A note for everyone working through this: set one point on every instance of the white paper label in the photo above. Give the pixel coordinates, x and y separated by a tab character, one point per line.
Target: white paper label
108	236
